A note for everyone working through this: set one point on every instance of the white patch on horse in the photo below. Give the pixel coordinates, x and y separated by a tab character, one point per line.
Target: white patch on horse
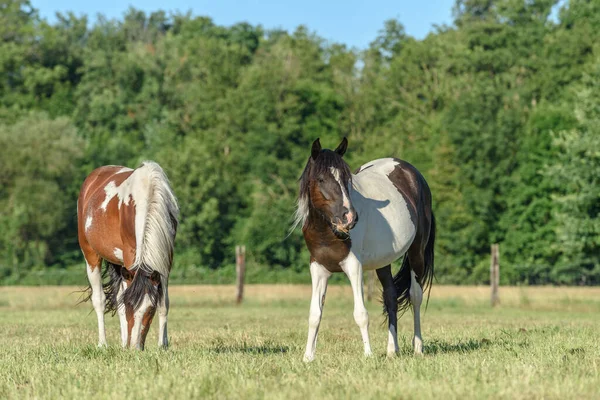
384	214
124	169
336	174
88	222
123	192
110	191
118	254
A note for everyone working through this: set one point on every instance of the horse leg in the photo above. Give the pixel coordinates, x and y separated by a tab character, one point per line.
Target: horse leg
391	306
122	314
94	266
319	276
416	298
163	311
353	269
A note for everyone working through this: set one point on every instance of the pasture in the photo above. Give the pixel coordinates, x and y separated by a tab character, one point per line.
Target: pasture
540	343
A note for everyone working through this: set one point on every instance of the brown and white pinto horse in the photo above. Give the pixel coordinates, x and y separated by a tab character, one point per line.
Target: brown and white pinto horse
362	222
128	218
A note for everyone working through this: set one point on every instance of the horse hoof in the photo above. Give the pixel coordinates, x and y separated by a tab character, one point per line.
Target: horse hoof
392	354
308	358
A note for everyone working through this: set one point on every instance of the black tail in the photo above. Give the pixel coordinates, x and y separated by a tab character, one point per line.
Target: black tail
111	288
402	278
140	285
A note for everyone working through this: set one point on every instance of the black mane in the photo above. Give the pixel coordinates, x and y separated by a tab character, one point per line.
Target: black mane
325	160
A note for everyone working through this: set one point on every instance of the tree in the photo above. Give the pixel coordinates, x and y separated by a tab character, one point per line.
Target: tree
38	191
576	174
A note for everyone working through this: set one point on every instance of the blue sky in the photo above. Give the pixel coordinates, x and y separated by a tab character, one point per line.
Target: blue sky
352	22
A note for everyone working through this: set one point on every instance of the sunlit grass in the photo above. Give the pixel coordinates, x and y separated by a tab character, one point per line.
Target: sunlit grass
540	343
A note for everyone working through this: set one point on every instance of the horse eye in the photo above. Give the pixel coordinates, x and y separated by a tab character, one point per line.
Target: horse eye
320	179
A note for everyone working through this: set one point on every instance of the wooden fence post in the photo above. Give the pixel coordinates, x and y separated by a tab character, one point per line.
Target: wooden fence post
240	269
495	274
370	284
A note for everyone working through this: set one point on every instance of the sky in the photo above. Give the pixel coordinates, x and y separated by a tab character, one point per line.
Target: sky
352	22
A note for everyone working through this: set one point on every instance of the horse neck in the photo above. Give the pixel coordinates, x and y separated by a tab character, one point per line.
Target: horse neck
316	224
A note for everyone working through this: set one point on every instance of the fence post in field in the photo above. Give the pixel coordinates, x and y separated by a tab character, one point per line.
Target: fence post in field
370	284
240	269
495	274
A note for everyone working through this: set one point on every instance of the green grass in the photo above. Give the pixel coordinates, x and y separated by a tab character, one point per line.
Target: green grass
540	343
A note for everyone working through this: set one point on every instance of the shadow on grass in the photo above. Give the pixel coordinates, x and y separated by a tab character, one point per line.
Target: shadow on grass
442	347
246	349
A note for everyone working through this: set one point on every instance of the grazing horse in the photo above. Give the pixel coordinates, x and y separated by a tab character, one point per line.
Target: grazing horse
362	222
128	218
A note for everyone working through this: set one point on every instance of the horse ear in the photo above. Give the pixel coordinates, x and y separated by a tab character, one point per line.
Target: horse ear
126	274
341	149
316	149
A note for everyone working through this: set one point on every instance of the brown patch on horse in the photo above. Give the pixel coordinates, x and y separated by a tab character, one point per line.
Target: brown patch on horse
413	187
325	247
361	169
146	322
111	228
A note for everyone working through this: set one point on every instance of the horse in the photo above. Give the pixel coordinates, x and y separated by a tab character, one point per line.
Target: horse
365	221
128	218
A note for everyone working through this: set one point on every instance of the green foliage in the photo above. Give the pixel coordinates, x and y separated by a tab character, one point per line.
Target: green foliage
38	160
576	174
497	111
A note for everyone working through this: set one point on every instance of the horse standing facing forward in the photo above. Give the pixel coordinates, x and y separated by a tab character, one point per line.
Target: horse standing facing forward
361	222
129	219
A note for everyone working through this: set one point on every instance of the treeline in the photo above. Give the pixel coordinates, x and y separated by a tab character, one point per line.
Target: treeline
501	113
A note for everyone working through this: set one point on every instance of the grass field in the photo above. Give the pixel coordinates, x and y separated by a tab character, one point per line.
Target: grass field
540	343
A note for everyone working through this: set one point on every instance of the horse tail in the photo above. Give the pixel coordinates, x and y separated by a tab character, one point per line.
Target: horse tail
402	279
112	286
427	279
160	227
156	238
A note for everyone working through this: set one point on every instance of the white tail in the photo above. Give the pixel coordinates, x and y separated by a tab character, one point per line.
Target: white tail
154	251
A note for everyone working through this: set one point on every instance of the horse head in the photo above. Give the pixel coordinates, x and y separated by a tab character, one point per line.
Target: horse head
325	187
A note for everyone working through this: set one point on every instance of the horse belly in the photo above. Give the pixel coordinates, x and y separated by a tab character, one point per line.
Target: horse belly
384	244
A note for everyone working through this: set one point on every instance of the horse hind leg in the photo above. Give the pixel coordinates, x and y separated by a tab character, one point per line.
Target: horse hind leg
391	307
416	299
94	267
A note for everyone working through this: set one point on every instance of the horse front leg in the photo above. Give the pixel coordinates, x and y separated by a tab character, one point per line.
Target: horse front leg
122	314
163	311
353	269
319	276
